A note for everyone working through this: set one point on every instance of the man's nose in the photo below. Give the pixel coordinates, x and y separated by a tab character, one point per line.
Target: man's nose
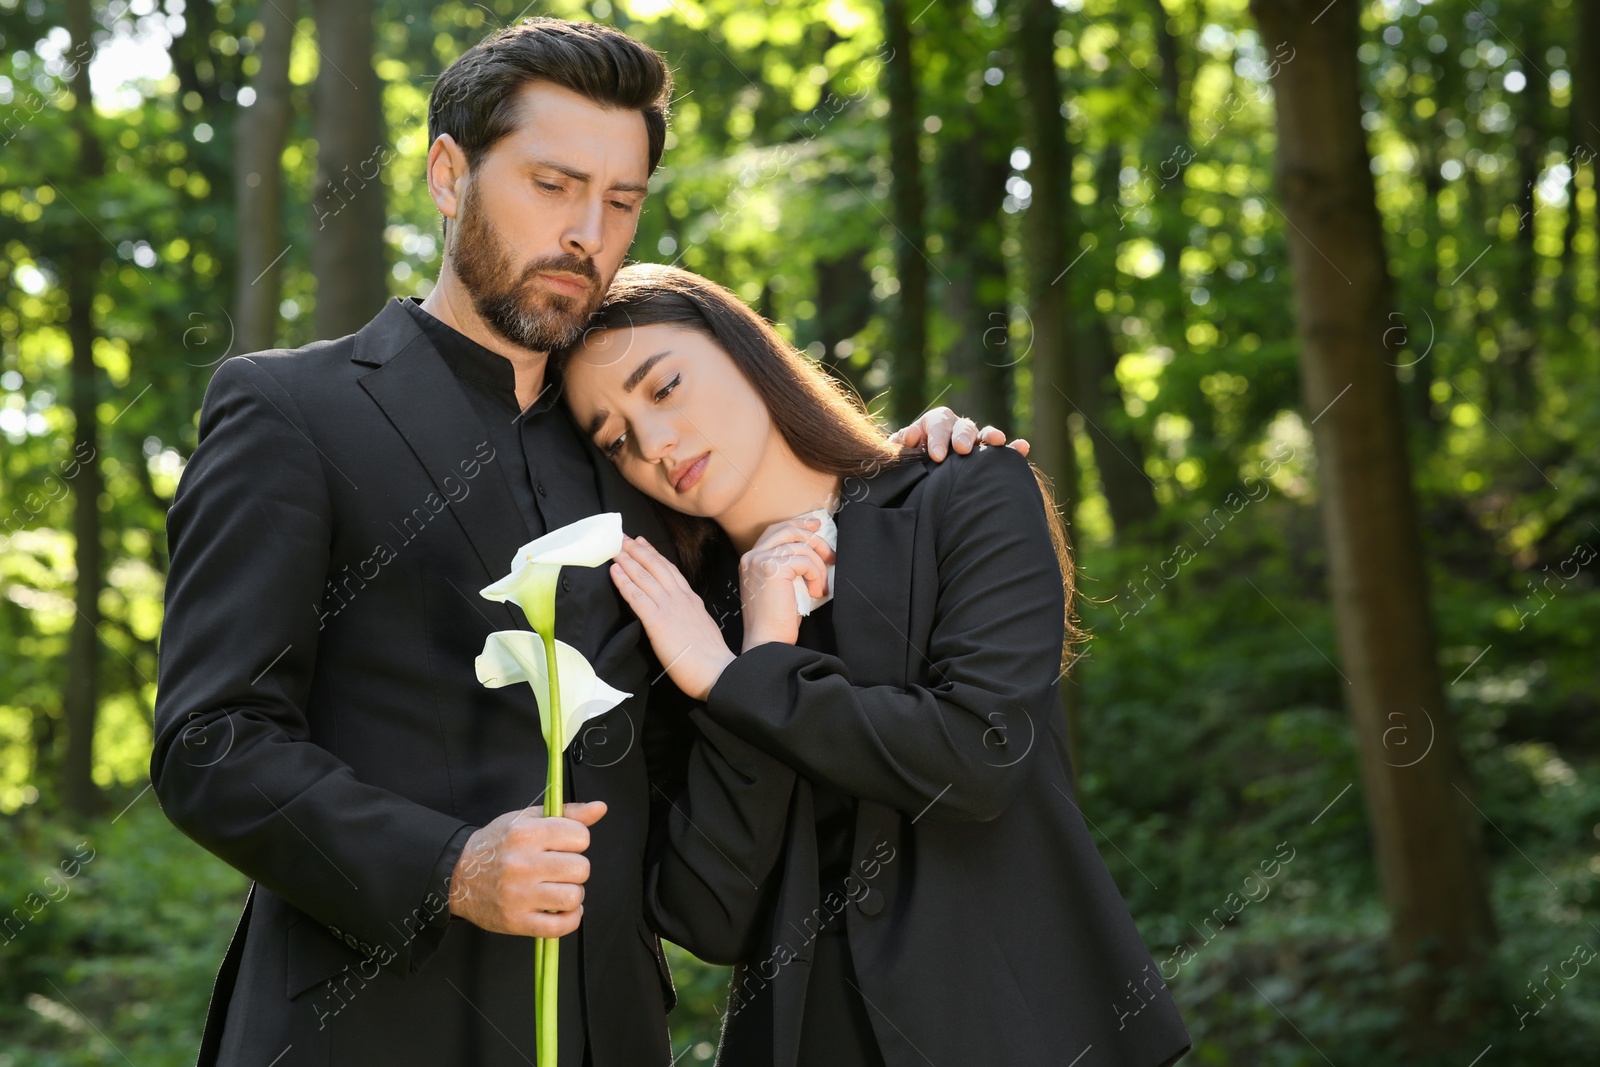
585	234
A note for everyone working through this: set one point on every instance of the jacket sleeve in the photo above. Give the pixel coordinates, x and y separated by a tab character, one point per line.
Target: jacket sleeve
717	831
958	747
233	763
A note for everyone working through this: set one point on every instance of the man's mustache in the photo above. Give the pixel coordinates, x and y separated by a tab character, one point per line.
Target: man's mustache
566	263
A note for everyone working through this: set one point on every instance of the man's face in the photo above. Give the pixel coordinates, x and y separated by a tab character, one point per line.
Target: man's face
547	215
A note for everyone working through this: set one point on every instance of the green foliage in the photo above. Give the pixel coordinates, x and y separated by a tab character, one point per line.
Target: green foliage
1191	788
775	180
118	928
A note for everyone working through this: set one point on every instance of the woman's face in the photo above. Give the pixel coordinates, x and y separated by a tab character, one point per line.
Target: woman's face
672	410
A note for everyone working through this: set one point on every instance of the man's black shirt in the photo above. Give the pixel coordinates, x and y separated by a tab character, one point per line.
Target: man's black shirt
544	458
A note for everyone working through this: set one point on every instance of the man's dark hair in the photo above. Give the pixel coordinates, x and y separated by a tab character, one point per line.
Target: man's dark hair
475	99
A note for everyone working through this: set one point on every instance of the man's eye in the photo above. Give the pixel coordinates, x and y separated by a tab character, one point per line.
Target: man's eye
614	447
623	206
669	387
548	187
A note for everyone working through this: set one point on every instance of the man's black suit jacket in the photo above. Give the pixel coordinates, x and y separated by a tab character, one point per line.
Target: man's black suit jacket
319	725
983	924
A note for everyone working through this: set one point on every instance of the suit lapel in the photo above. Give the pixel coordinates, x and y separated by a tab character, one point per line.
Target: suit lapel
872	628
798	900
423	401
872	580
872	584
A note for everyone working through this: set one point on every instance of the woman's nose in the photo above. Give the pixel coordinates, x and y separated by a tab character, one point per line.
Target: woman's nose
656	442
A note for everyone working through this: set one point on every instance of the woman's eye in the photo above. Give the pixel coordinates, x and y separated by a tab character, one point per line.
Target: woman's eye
614	447
669	387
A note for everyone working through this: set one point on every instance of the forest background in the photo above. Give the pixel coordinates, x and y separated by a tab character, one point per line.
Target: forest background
1296	299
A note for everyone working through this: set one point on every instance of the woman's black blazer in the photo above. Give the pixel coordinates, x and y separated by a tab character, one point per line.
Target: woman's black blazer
983	924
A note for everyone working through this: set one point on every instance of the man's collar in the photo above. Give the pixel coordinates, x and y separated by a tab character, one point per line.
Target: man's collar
402	323
391	331
466	357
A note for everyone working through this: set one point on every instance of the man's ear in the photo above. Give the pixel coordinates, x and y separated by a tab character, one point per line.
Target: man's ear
447	175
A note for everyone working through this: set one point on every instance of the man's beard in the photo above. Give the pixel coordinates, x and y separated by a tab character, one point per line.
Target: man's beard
512	302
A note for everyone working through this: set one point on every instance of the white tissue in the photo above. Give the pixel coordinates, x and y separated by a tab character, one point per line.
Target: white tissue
829	532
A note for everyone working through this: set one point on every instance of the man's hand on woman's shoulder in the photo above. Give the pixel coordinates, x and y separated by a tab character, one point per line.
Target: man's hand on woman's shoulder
940	430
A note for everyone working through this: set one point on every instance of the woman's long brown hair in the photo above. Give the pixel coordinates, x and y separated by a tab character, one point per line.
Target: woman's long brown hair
823	421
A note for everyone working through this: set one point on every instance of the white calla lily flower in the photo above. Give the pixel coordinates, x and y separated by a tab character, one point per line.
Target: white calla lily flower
536	568
512	656
586	543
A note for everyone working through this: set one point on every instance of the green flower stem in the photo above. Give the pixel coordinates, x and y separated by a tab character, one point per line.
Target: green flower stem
538	602
556	785
541	1022
547	987
547	953
533	585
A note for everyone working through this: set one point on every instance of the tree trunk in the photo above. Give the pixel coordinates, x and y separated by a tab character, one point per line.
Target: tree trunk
844	285
1482	321
1174	152
1424	826
972	176
211	75
1049	247
908	332
1118	453
1566	280
844	307
1586	106
80	695
349	208
1415	359
202	69
261	130
1438	297
1519	347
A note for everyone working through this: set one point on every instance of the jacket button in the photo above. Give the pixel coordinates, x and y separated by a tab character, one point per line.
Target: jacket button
566	585
577	751
542	490
872	903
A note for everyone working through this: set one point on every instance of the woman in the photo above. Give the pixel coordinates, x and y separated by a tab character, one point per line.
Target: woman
875	823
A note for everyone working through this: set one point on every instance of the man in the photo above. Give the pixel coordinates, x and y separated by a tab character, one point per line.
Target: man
319	725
